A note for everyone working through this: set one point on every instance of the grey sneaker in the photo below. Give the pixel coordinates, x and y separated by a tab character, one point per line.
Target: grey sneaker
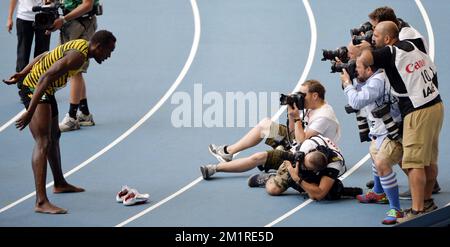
85	120
259	180
219	153
68	124
407	194
428	205
208	171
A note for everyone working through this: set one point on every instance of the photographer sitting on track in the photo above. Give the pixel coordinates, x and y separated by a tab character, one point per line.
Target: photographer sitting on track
318	117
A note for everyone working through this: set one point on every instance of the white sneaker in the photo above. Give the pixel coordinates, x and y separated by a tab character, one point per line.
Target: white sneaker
134	197
219	153
85	120
208	170
120	196
68	124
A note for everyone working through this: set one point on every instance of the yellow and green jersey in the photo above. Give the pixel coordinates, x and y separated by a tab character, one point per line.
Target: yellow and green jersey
40	67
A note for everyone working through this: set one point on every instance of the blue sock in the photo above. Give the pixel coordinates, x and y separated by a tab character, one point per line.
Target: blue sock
377	188
390	186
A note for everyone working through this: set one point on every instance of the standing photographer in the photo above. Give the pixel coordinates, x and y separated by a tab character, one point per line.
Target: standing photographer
319	119
79	22
26	31
314	168
372	92
406	33
413	77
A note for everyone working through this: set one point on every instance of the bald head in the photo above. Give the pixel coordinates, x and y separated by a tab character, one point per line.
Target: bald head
388	28
385	33
316	161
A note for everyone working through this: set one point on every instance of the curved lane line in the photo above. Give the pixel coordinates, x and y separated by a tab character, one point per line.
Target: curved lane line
177	82
302	78
367	157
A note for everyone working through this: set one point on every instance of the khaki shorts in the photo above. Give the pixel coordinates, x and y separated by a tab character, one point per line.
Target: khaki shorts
390	150
278	132
274	159
81	28
421	130
281	179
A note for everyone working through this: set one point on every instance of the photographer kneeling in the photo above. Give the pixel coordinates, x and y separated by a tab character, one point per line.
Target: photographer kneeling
372	97
314	168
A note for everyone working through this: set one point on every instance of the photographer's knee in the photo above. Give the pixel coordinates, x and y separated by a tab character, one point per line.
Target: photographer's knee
272	188
259	158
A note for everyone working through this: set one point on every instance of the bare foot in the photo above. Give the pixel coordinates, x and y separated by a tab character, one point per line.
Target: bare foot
67	188
48	208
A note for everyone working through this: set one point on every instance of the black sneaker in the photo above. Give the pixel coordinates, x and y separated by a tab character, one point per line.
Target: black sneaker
352	192
259	180
407	194
428	205
370	184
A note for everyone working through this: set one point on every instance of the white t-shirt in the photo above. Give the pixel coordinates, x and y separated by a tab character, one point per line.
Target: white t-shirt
24	9
323	120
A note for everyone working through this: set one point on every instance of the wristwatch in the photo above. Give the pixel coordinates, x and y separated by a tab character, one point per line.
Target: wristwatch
64	19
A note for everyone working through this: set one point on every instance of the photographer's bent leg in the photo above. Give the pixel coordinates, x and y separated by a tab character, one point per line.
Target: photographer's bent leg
243	164
54	159
252	138
278	184
273	188
40	127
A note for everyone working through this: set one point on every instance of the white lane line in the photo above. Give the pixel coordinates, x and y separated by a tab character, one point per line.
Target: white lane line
428	26
185	188
302	78
363	160
312	50
180	77
12	120
304	204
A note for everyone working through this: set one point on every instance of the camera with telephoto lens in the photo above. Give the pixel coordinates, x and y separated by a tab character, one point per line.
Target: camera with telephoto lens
294	158
340	53
383	112
367	36
350	67
297	98
365	27
363	124
47	15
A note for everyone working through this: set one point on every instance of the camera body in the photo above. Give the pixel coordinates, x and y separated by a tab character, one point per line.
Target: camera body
340	53
383	112
46	16
350	67
297	98
294	157
363	124
367	36
365	27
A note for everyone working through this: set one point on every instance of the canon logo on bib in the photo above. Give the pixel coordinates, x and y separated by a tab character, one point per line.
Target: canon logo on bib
415	66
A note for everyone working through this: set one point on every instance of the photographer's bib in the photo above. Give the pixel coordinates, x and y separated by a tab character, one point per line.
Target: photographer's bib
418	73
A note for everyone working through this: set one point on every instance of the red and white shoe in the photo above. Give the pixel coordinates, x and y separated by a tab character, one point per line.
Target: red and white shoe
120	196
134	197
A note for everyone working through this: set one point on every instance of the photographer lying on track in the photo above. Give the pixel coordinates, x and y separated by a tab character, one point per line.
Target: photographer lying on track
318	116
313	167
